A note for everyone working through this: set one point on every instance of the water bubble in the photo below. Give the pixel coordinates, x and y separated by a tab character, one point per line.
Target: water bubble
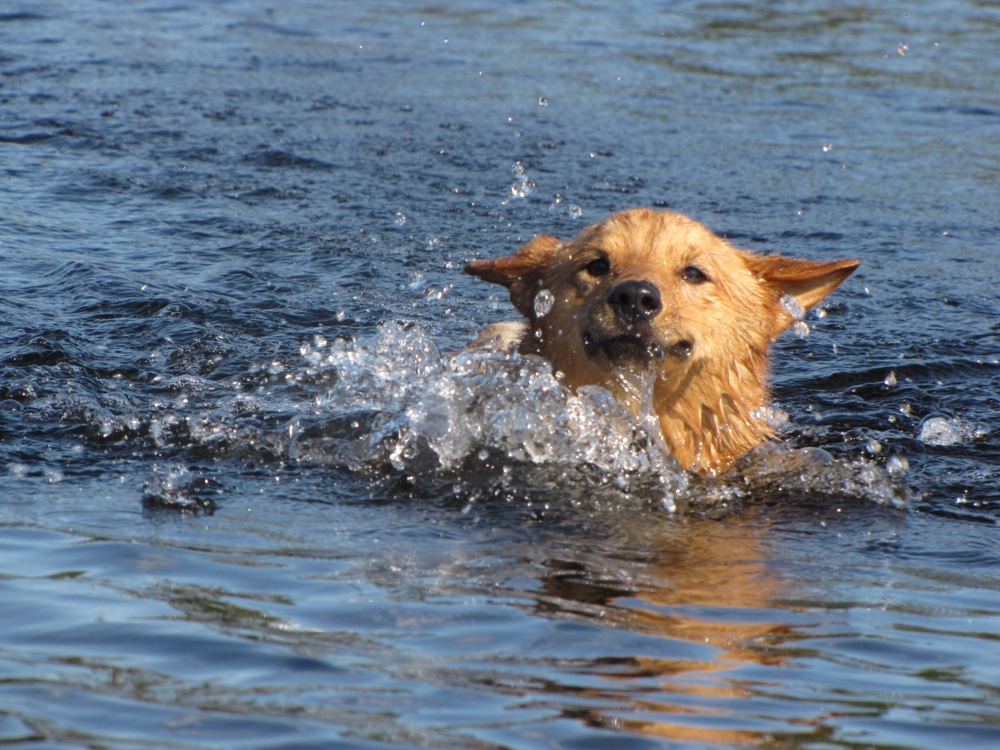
575	211
906	407
319	340
517	169
417	280
890	379
873	446
17	470
903	48
401	219
483	454
341	315
543	303
828	147
543	101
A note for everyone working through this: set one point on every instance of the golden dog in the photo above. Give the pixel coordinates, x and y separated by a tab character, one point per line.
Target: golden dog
653	290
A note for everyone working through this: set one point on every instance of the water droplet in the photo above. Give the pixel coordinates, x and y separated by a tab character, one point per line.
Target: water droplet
517	169
828	147
800	328
906	407
890	379
903	48
543	303
400	219
575	211
417	280
543	102
897	466
873	446
793	307
483	454
341	314
522	188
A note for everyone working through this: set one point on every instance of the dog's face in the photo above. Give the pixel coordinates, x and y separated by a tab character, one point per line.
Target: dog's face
656	291
653	289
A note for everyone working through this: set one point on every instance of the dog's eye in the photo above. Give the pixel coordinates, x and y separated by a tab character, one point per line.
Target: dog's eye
598	267
694	275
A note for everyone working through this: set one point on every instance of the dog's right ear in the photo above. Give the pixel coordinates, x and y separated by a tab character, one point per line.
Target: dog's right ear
520	272
527	261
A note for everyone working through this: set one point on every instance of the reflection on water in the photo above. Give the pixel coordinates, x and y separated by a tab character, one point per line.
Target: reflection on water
231	245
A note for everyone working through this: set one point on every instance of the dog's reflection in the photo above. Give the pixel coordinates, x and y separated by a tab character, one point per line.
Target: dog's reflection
710	586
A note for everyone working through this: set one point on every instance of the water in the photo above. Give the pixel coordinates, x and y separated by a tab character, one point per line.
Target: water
249	496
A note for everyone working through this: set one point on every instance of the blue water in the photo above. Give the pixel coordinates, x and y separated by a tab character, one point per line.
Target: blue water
246	498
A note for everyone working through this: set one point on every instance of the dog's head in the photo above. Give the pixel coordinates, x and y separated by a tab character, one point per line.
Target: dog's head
653	288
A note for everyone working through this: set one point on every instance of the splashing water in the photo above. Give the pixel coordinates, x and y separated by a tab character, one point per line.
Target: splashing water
944	431
638	385
487	420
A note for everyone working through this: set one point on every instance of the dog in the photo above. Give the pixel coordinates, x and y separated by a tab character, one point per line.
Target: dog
656	292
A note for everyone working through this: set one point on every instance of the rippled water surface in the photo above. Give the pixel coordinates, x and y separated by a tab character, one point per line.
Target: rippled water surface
248	498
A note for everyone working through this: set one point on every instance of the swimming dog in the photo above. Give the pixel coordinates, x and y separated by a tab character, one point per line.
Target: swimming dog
658	292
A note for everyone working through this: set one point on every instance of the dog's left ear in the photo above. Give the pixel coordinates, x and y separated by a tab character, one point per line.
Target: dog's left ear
520	272
805	280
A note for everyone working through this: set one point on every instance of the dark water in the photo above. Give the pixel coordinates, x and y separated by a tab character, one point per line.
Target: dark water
245	501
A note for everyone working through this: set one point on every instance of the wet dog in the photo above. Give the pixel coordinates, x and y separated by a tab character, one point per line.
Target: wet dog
654	294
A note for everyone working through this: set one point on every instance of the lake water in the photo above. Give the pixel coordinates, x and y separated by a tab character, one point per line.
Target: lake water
246	501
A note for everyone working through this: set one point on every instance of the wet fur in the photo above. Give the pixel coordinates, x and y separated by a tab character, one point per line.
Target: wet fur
709	342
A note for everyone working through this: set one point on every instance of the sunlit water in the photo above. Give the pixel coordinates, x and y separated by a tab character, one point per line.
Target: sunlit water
252	493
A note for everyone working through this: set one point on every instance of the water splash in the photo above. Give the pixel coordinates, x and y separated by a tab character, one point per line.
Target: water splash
943	431
638	385
393	406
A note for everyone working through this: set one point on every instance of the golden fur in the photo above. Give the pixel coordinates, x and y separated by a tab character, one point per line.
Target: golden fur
655	290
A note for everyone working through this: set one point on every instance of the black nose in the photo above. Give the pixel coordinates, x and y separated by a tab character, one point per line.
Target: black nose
635	301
